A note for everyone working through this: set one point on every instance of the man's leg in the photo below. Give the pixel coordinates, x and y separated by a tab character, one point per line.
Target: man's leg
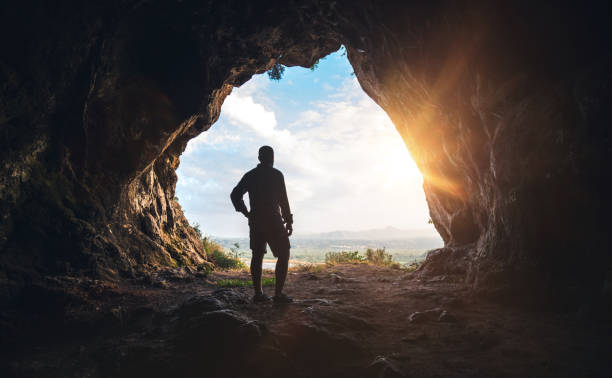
280	246
258	247
256	263
282	265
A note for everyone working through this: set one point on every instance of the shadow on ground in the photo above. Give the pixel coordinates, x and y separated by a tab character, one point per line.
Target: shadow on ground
347	321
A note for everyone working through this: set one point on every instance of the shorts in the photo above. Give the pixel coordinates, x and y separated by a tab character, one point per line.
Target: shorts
276	238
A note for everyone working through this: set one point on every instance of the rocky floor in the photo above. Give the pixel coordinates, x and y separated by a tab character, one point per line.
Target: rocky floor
347	321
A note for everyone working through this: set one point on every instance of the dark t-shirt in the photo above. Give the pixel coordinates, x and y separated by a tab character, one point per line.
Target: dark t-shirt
267	197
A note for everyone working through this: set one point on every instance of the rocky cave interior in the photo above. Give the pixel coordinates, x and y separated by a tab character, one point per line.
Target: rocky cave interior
501	104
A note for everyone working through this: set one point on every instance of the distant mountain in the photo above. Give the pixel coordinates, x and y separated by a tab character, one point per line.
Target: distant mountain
386	233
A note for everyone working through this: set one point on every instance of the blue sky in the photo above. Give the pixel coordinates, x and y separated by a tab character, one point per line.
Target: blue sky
345	165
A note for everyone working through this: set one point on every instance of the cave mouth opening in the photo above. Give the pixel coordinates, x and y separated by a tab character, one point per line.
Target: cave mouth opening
507	113
346	167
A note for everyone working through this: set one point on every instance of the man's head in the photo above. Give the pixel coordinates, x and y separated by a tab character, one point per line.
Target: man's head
266	155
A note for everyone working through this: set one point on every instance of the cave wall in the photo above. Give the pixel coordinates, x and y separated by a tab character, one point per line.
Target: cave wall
501	105
503	108
98	101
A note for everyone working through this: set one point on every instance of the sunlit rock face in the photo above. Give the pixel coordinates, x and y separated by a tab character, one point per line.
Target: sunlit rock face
502	107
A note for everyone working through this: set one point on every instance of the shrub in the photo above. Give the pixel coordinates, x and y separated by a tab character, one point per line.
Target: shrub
225	261
315	65
381	257
353	257
276	72
210	246
219	256
196	227
378	256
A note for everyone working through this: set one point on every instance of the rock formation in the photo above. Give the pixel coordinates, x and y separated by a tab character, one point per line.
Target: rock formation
502	105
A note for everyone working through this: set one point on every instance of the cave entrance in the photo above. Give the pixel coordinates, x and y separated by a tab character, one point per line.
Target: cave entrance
351	182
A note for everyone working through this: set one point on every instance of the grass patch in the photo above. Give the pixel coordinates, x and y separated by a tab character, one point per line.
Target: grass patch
378	257
236	282
308	268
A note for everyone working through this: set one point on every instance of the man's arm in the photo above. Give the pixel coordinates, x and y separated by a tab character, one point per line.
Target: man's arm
284	205
237	195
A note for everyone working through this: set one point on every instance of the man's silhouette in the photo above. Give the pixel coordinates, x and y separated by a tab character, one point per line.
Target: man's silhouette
267	218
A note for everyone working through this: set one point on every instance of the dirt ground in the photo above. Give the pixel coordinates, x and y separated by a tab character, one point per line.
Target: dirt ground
373	306
347	320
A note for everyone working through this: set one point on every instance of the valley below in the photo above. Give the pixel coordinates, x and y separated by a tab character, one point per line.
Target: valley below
311	248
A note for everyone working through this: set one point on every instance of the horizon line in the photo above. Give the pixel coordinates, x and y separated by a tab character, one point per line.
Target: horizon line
314	233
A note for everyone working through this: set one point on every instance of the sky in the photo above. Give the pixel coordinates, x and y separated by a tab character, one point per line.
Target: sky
344	163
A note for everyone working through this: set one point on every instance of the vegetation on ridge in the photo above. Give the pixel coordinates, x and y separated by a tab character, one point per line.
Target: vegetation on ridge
378	257
224	259
278	70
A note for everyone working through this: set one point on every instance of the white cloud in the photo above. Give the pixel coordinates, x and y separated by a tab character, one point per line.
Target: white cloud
244	111
307	118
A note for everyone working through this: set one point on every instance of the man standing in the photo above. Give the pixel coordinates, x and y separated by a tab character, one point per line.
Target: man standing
270	220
